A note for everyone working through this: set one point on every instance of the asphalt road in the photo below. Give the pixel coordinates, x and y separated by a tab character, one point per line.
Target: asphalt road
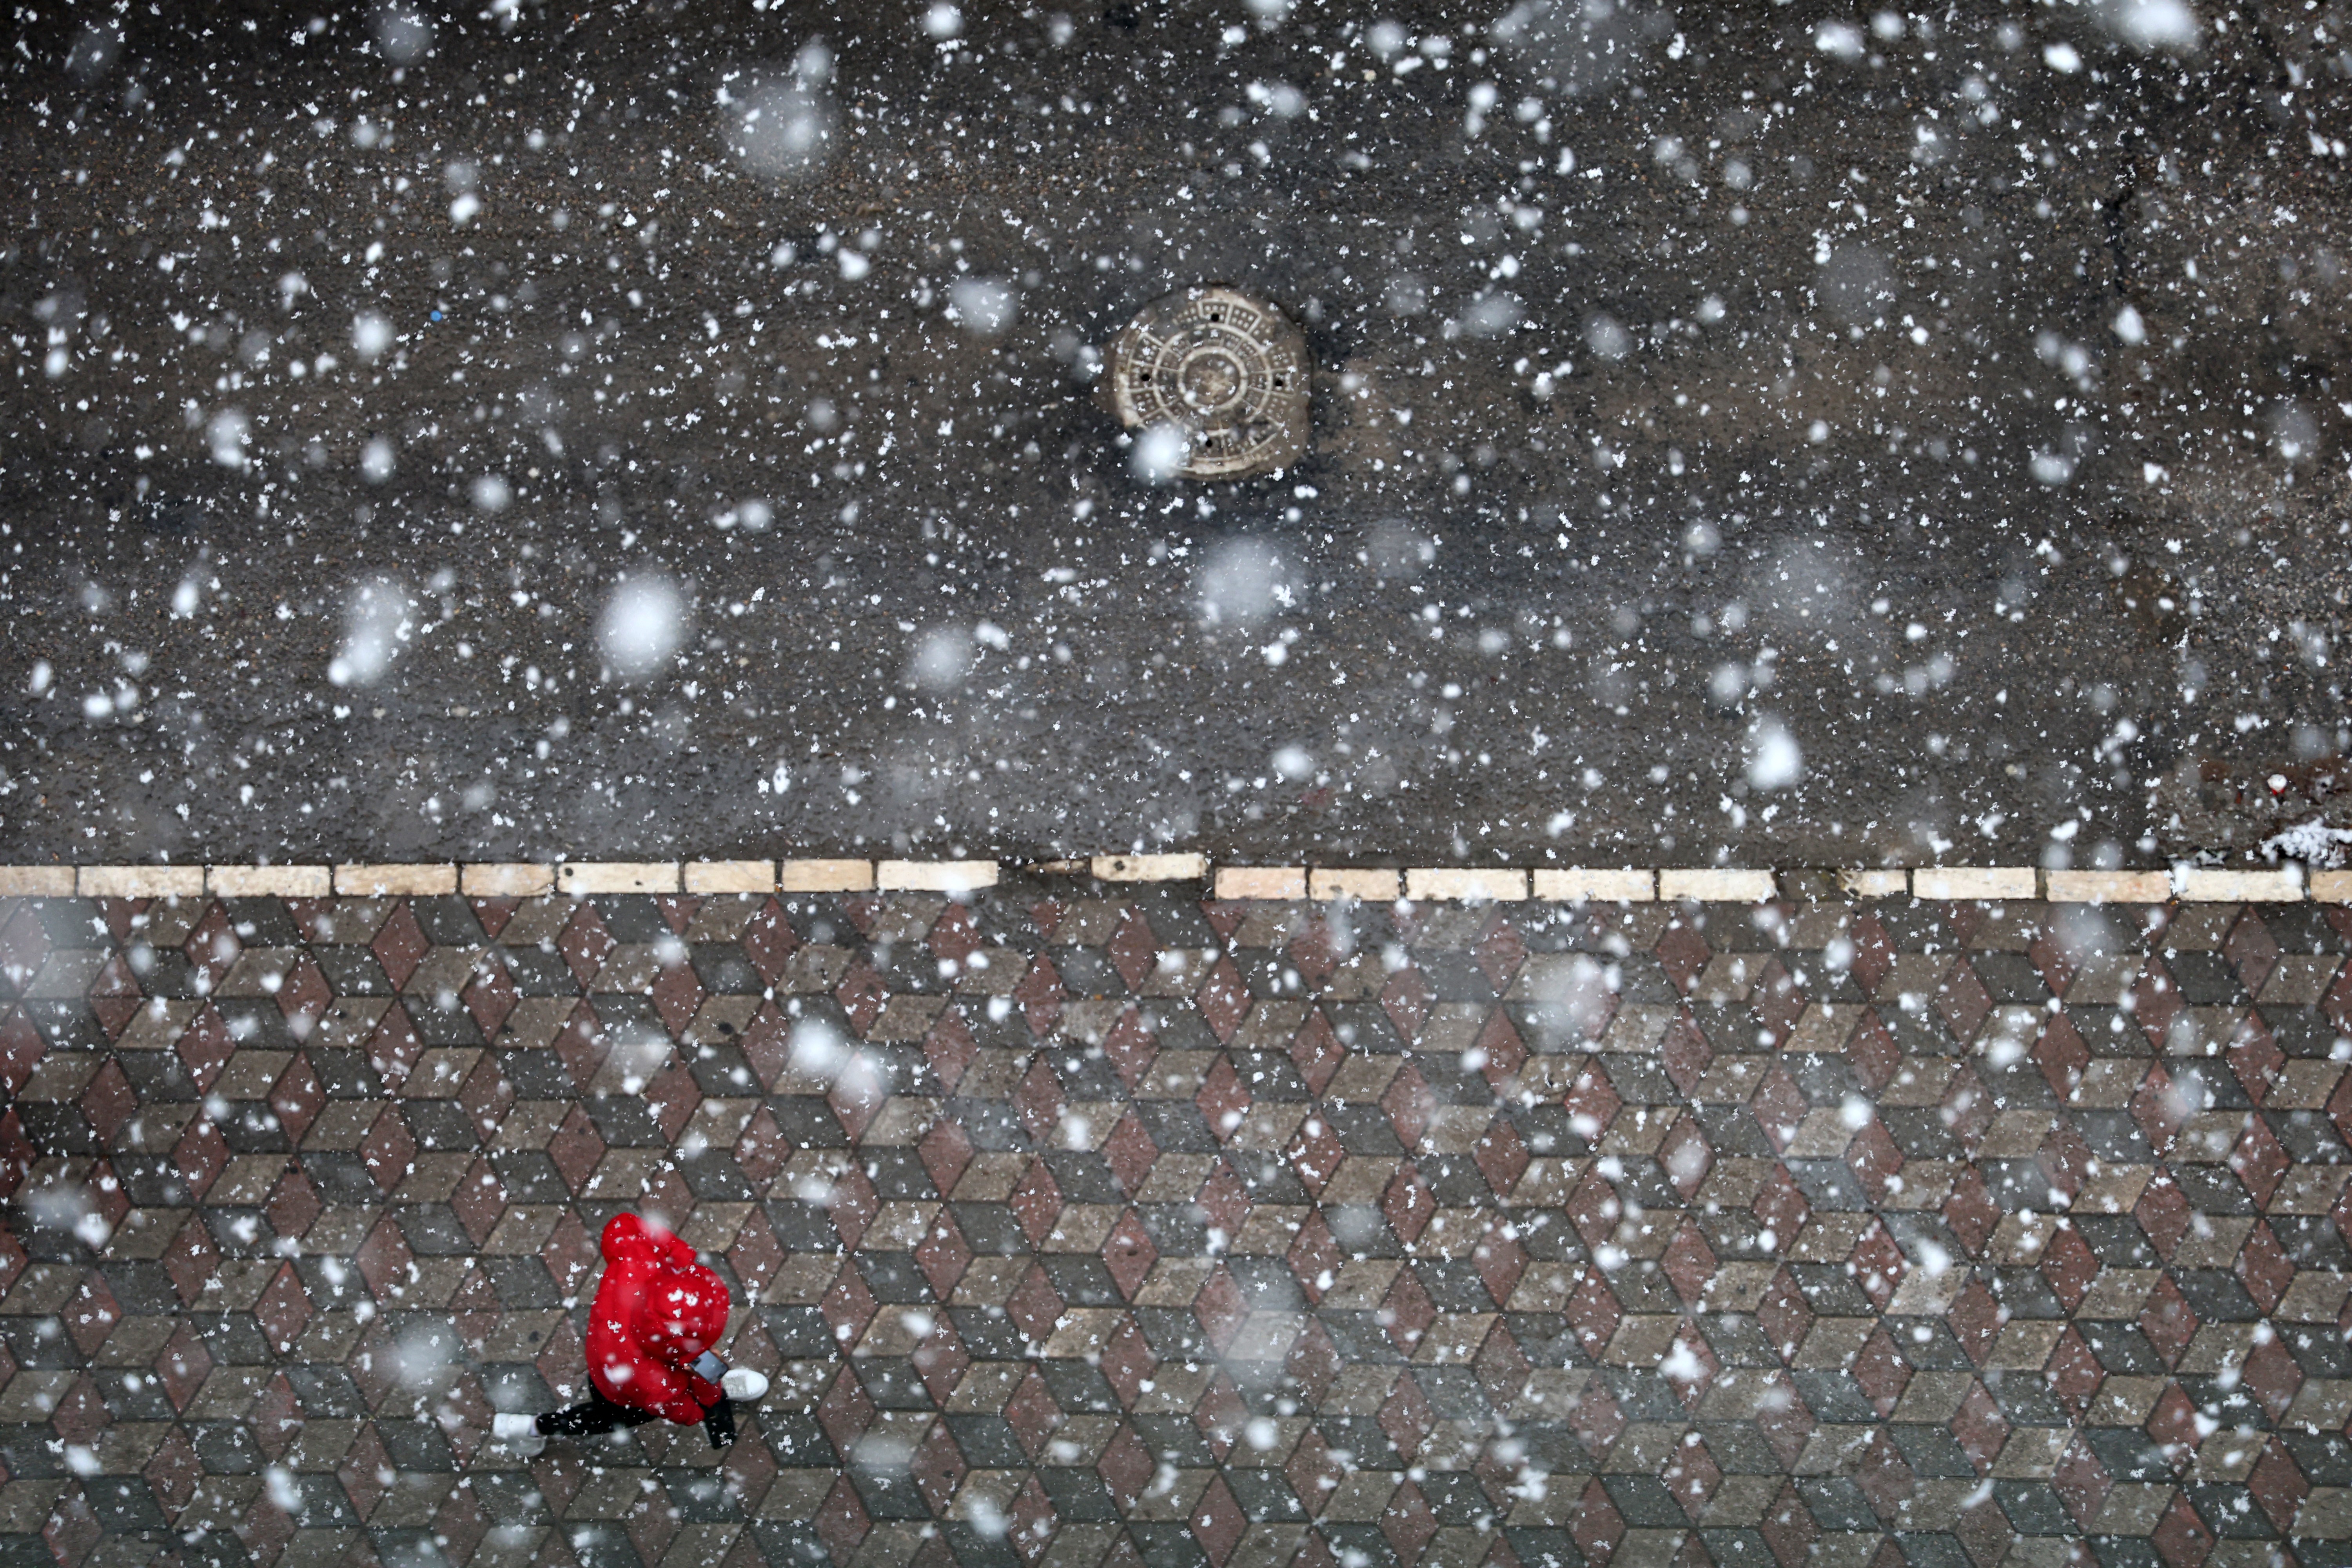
1751	435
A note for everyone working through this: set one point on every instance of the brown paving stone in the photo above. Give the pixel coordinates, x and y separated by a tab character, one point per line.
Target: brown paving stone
399	944
276	1418
2181	1538
181	1366
392	1047
192	1261
71	1531
108	1100
576	1149
283	1309
294	1204
174	1472
1133	951
21	1048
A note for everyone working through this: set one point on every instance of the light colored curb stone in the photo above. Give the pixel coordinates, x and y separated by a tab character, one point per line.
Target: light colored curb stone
934	875
1962	882
1576	886
1373	885
1464	883
270	881
579	877
1150	867
1431	883
2327	887
730	875
395	881
140	882
2109	887
1726	887
506	881
1261	882
825	876
2284	886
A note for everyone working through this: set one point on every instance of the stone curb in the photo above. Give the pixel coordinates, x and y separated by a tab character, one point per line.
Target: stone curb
934	875
1321	884
395	881
270	881
578	876
1150	868
825	876
1715	887
1375	884
1285	884
1459	884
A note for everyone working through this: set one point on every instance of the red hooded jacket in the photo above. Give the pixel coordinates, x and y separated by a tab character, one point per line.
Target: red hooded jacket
657	1310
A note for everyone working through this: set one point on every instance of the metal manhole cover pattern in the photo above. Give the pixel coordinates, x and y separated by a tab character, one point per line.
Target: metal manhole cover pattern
1228	369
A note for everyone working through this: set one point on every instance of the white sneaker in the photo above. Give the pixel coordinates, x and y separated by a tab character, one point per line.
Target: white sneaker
520	1432
742	1383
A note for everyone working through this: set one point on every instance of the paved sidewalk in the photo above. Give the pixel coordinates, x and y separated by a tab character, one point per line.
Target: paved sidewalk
1129	1229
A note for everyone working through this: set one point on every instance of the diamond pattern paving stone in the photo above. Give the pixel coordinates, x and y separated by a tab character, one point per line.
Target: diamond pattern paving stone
1083	1225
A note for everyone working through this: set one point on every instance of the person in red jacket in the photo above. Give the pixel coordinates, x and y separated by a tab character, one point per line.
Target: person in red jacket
657	1313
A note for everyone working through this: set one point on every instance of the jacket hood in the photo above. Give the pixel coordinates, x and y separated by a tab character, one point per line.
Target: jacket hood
683	1310
628	1238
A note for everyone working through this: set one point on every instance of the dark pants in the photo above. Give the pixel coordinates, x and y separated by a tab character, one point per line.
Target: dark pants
600	1416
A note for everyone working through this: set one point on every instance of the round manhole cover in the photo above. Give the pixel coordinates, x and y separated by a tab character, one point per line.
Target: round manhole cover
1227	372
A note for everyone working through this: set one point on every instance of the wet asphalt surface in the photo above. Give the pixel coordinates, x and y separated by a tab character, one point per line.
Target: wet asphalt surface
1742	435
